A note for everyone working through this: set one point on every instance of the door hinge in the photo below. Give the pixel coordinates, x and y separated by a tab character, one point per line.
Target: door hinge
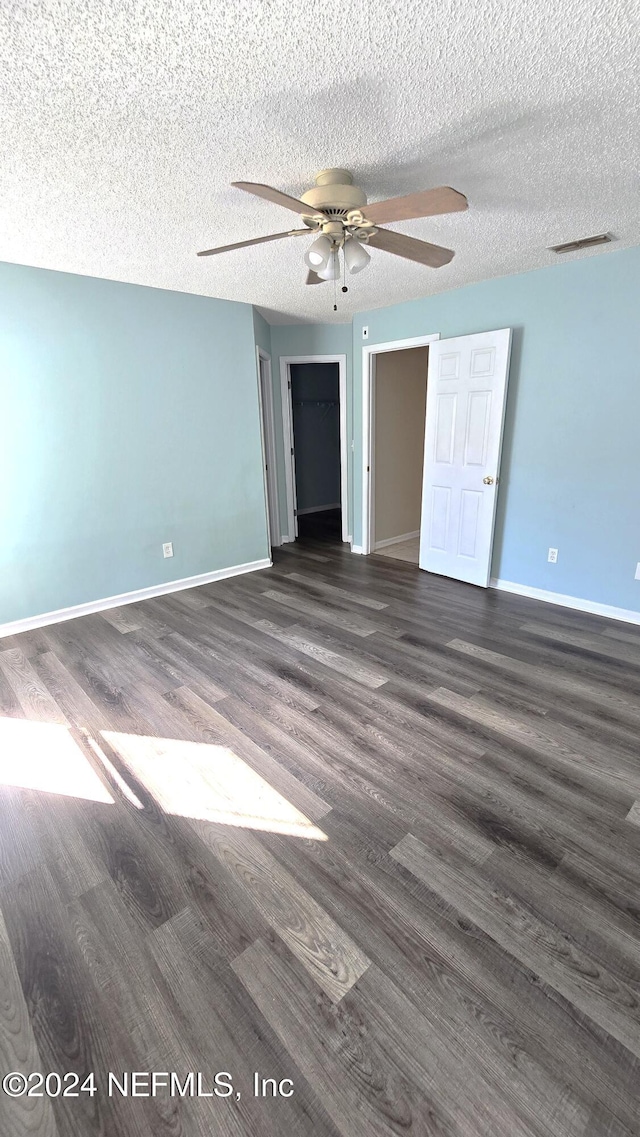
368	469
295	513
289	384
292	451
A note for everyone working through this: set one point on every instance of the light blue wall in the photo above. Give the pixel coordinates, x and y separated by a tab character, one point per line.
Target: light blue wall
306	339
570	474
129	417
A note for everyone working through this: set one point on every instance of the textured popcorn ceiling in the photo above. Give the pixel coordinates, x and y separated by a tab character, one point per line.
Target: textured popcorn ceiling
122	125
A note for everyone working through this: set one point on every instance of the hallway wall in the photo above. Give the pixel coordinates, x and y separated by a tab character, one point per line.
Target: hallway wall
400	400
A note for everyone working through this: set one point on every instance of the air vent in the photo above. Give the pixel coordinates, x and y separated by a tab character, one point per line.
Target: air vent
585	243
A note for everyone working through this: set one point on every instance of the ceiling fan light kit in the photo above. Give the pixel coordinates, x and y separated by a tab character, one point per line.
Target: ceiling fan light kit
336	211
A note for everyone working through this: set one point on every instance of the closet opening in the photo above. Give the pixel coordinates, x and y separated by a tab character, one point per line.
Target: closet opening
315	438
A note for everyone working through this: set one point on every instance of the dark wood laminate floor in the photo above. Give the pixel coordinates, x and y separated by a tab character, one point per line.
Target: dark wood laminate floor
338	822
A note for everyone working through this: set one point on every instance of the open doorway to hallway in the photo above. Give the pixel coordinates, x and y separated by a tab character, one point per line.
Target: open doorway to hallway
465	399
399	398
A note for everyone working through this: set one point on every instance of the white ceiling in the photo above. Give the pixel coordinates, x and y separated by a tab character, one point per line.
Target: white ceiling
123	123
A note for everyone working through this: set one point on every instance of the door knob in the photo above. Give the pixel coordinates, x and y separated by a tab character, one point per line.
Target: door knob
488	481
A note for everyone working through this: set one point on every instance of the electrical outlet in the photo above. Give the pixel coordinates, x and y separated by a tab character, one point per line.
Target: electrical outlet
167	549
553	556
637	576
365	333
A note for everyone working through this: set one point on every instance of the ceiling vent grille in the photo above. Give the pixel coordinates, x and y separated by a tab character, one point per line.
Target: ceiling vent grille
585	243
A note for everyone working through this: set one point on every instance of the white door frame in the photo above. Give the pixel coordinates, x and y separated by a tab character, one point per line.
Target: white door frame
368	436
267	434
287	433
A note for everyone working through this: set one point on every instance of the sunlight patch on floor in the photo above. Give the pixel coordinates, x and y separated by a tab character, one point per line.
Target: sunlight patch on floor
43	756
114	774
209	783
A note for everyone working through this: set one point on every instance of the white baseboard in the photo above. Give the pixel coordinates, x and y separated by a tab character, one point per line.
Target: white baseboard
72	613
357	549
396	540
286	540
628	615
319	508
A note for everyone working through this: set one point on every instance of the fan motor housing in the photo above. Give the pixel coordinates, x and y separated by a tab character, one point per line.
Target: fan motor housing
334	193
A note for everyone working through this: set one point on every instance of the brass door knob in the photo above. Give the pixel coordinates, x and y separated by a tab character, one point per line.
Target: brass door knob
488	481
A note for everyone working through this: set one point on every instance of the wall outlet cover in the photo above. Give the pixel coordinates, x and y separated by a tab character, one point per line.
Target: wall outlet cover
553	556
167	549
637	576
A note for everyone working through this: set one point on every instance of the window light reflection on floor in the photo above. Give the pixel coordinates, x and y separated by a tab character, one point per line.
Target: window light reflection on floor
209	783
189	779
44	756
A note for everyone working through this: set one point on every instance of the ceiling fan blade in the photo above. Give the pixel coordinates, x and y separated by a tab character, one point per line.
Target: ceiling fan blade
313	278
411	249
256	241
426	203
271	194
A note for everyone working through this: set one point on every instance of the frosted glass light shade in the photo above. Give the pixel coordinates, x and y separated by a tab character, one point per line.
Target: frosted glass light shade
318	253
356	256
331	271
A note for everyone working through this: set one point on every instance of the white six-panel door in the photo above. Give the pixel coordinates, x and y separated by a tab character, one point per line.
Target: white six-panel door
466	394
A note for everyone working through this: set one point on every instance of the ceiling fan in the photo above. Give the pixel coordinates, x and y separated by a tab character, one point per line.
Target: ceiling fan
337	212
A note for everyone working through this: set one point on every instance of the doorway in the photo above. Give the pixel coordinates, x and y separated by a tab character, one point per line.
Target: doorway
399	399
314	422
315	403
465	406
381	474
265	403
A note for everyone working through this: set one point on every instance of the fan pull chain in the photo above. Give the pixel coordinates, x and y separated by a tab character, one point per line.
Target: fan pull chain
344	283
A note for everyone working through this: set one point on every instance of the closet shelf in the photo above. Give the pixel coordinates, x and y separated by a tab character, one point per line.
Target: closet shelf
316	403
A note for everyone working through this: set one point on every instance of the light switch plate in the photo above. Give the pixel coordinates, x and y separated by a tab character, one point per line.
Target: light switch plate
637	576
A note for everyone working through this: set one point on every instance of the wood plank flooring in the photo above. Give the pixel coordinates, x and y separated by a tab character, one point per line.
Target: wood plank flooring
366	833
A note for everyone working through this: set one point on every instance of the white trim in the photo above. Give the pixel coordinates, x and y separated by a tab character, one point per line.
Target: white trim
287	432
368	354
319	509
400	345
357	549
269	460
289	460
628	615
396	540
76	610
